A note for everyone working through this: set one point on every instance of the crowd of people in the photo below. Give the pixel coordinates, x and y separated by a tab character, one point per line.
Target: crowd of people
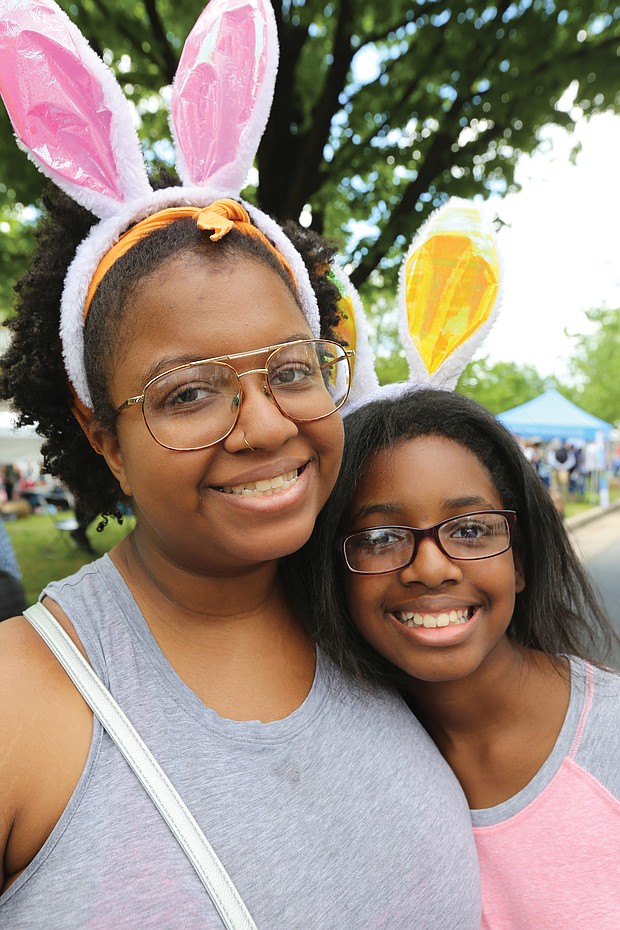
565	468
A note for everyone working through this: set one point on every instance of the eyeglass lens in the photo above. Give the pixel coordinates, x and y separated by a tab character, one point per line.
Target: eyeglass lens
197	405
387	548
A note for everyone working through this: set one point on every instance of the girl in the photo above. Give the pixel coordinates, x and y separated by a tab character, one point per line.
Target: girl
452	563
191	378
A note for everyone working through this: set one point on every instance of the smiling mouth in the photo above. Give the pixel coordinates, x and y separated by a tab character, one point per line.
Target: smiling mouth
265	487
431	621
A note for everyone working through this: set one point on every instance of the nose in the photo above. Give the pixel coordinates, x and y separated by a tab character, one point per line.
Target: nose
260	419
431	567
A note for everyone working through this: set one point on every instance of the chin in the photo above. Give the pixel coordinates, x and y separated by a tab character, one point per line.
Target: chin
273	545
440	677
442	673
282	547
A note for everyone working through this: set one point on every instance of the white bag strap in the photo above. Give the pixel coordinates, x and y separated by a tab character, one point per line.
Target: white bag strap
211	872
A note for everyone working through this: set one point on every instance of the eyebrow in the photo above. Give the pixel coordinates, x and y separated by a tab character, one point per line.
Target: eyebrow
169	362
451	503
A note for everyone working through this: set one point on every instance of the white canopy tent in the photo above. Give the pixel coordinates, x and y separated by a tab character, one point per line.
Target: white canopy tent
21	444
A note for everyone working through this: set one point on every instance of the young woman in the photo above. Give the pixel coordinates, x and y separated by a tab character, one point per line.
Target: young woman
313	793
174	355
442	548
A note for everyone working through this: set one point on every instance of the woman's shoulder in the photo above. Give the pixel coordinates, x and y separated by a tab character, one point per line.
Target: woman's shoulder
29	674
94	575
35	691
45	732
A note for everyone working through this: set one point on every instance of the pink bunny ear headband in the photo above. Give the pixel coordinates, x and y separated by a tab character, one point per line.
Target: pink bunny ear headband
71	118
449	297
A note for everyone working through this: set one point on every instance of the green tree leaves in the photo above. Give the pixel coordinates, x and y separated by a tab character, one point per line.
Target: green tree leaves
595	366
381	110
501	385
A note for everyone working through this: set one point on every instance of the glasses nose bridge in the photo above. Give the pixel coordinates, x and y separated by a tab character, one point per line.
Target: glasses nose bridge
252	371
435	567
256	371
430	532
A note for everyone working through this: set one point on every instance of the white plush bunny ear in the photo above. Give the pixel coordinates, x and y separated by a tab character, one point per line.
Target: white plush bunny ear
222	93
71	117
352	332
67	109
449	293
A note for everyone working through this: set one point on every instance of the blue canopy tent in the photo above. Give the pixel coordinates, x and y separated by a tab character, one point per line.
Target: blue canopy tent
552	416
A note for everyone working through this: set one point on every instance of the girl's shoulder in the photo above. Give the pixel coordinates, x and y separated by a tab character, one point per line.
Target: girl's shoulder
596	747
597	687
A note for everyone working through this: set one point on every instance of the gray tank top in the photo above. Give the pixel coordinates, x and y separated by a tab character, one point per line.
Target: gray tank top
342	816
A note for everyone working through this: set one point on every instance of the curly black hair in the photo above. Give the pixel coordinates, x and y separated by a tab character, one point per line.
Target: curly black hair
32	372
557	612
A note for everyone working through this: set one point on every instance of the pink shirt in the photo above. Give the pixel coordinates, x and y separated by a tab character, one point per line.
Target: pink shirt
550	856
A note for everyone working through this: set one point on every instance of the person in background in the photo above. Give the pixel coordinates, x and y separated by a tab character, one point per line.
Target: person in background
560	460
576	476
12	594
10	478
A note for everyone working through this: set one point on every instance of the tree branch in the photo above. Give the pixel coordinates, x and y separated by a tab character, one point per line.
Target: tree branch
407	92
169	58
134	38
438	158
277	153
430	7
313	141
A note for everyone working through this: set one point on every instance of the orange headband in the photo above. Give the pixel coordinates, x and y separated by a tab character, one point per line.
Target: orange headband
220	216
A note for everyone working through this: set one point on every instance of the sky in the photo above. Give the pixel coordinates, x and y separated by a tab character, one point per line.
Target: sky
560	247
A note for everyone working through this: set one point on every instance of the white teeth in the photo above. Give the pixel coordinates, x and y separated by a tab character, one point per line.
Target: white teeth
265	487
432	621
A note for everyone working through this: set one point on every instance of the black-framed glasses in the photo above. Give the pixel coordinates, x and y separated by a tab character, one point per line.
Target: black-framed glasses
478	535
196	405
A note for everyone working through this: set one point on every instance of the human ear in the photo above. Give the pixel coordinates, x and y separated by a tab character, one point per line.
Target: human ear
104	443
107	444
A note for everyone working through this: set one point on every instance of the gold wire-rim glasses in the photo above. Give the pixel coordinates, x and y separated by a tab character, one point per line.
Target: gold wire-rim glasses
347	355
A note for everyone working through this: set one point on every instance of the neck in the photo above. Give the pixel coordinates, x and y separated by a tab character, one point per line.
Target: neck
189	591
496	727
468	707
232	639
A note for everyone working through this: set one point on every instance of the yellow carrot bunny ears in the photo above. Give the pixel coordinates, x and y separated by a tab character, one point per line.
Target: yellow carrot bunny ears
449	297
72	119
449	290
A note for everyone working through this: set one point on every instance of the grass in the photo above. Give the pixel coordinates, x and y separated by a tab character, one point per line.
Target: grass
45	554
588	502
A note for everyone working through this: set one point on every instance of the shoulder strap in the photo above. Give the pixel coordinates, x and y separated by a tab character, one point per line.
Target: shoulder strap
210	870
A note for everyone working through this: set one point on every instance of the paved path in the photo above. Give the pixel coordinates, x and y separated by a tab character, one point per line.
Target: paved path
598	543
595	531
